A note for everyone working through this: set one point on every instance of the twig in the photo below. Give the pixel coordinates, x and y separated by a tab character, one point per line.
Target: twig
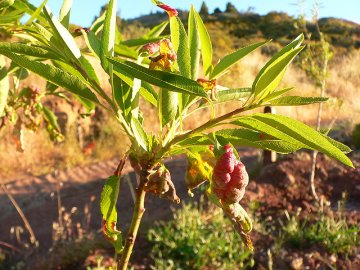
22	215
10	246
135	223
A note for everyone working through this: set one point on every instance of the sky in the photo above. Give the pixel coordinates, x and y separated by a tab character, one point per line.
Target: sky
84	11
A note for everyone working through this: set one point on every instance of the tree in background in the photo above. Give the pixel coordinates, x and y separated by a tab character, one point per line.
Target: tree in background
217	11
204	10
230	8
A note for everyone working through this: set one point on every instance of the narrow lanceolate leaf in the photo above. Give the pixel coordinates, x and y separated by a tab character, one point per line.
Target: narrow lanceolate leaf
54	75
231	59
232	95
65	13
122	95
167	80
139	133
344	148
194	44
64	40
296	101
140	41
51	118
286	53
28	50
157	30
27	7
276	94
36	13
92	42
206	46
108	34
89	69
4	85
181	45
295	44
273	74
251	138
168	106
125	52
148	93
293	131
108	200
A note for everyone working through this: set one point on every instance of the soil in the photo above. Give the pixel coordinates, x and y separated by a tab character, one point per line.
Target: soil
278	186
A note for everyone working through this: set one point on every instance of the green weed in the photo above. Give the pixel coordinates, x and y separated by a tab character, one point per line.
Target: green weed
195	239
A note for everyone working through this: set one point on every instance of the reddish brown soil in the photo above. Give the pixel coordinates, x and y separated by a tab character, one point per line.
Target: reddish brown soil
279	186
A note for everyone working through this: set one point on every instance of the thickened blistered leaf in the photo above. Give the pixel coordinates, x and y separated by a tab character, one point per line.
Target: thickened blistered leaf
161	185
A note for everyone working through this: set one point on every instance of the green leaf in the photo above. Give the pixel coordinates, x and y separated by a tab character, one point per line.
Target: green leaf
168	106
273	74
92	42
180	41
11	17
194	44
28	50
51	118
64	40
251	138
163	79
293	131
227	95
274	65
89	105
98	24
232	95
108	200
125	51
140	41
344	148
276	94
36	13
25	6
296	101
65	13
6	3
108	35
148	93
231	59
157	30
122	95
295	44
89	69
54	75
4	85
206	46
139	133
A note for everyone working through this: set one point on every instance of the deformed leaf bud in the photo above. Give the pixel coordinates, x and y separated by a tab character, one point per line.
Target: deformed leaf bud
229	177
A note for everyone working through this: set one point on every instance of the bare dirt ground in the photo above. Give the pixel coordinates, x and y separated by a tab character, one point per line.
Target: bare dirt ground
279	186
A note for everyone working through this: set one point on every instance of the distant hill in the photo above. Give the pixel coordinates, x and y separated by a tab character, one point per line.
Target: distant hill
278	26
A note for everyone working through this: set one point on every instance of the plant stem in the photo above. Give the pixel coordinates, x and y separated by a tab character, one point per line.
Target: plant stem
135	223
320	110
209	124
22	215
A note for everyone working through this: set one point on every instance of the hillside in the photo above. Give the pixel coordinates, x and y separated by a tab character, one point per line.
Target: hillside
279	26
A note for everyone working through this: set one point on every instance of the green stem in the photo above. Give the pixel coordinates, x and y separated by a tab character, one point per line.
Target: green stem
135	223
209	124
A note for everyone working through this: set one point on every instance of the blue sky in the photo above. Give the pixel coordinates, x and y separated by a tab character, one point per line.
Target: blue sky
83	11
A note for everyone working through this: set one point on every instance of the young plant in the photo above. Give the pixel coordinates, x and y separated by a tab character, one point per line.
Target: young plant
172	65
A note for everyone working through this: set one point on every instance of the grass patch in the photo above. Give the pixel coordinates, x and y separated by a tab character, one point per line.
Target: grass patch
329	230
195	239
